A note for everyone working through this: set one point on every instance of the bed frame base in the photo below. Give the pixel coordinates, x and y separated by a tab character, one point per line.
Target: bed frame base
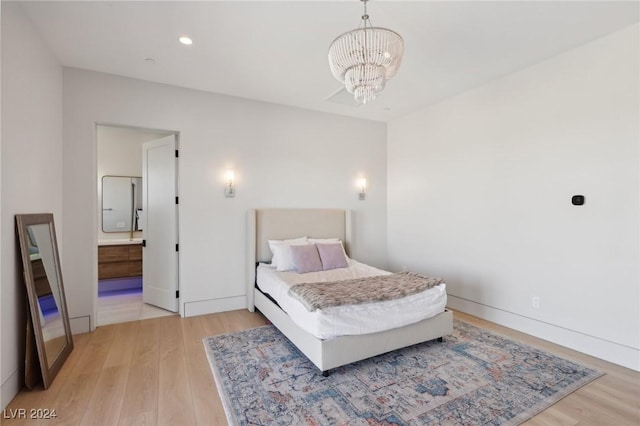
332	353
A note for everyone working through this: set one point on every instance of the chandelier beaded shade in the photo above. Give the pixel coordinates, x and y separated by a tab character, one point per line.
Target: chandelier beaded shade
365	58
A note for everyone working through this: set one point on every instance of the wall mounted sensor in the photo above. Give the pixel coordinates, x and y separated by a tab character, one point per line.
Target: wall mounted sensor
577	200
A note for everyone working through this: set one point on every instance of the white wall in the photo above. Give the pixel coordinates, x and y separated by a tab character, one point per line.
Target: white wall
480	193
31	169
119	153
282	157
5	394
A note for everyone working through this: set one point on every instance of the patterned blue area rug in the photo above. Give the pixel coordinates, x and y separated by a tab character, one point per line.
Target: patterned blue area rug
474	377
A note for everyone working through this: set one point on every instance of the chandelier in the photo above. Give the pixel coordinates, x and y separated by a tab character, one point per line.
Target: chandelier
365	58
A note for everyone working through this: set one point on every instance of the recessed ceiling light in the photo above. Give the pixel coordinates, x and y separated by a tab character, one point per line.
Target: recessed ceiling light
185	40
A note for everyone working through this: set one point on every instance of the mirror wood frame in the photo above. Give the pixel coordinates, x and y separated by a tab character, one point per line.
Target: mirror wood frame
49	368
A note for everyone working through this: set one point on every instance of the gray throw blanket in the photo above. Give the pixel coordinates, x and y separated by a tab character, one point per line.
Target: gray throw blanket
361	290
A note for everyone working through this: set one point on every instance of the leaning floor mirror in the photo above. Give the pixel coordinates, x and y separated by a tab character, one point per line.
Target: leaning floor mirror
45	292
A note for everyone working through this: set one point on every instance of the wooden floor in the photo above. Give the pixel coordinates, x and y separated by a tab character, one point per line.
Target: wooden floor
155	371
125	306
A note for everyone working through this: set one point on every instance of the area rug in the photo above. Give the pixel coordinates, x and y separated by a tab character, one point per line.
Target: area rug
474	377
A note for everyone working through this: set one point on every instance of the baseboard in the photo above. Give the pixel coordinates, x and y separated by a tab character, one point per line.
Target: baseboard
80	324
609	351
211	306
10	389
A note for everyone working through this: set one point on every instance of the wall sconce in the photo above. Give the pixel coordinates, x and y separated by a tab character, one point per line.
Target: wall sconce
362	185
229	190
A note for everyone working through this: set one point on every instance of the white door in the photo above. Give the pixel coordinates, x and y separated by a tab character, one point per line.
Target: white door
160	224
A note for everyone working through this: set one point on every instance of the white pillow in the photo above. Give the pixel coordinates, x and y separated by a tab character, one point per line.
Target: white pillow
323	240
283	256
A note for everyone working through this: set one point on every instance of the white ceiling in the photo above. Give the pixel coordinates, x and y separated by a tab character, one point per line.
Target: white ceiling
277	51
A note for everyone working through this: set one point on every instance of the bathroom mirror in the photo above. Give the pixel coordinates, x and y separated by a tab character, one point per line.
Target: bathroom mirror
45	292
121	203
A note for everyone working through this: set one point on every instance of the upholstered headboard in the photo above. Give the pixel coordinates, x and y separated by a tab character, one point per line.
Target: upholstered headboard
279	224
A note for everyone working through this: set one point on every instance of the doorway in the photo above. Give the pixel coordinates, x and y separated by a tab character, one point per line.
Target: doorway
121	222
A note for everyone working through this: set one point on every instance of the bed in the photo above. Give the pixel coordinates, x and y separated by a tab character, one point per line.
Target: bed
326	350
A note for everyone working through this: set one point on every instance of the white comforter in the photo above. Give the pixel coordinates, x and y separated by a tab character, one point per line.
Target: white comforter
351	319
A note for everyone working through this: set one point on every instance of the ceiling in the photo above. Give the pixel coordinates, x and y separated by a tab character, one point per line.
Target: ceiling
276	51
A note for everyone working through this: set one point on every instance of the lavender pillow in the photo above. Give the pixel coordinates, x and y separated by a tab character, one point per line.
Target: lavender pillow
306	258
332	256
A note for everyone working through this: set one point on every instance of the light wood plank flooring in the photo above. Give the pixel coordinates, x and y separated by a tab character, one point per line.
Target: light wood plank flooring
124	306
155	371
